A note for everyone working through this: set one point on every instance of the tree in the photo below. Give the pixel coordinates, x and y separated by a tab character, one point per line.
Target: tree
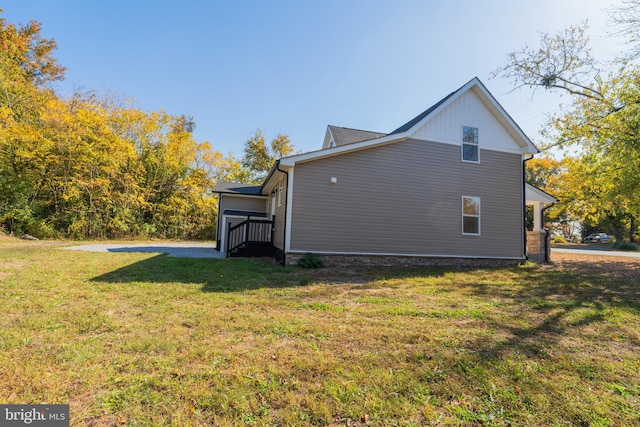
562	62
607	132
550	175
627	18
544	172
88	166
601	123
24	53
258	158
26	66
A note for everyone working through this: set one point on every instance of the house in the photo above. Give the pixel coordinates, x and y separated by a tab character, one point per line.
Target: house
445	188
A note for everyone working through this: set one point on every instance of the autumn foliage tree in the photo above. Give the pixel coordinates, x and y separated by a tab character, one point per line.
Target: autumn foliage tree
96	166
259	158
89	167
599	129
26	67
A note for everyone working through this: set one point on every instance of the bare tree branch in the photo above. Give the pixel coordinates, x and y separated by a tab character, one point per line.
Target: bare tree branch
563	61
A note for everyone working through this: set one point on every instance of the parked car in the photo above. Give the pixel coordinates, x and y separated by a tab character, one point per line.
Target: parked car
597	238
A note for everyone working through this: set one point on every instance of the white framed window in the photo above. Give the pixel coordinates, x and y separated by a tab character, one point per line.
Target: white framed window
470	150
273	204
280	191
471	215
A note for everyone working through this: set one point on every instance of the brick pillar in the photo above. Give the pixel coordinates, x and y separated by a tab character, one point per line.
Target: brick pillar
538	246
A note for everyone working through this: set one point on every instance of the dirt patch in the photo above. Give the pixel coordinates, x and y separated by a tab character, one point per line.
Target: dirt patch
623	268
7	267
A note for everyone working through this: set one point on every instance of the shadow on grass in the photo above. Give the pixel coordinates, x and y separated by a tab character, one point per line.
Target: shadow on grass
537	313
215	275
562	303
555	302
241	274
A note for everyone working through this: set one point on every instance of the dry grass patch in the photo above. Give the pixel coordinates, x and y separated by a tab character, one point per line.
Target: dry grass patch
140	339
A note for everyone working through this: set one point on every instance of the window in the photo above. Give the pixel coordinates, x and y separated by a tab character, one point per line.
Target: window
470	151
470	215
280	190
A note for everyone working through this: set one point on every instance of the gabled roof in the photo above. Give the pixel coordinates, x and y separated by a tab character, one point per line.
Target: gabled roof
408	129
411	123
344	136
237	189
487	99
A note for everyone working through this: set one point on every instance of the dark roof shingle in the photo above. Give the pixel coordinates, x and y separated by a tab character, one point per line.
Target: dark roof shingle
411	123
236	188
344	136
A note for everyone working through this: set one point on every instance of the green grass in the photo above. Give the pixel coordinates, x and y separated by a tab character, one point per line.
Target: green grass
144	339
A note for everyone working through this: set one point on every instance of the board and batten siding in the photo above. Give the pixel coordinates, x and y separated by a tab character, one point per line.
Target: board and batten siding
467	110
405	198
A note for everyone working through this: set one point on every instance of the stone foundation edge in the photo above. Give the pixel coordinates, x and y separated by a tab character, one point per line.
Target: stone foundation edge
348	260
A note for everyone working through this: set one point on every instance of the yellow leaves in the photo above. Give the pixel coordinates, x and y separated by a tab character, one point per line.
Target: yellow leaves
98	170
93	166
28	54
6	116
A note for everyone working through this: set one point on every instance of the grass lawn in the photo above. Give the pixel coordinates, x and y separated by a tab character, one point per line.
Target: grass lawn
144	339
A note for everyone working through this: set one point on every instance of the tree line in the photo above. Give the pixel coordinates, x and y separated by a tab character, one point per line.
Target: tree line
597	181
96	166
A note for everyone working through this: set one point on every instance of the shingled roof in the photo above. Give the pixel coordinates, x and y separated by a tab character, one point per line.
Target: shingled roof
411	123
344	136
239	189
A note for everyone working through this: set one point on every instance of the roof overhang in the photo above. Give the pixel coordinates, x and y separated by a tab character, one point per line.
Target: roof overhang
238	189
535	195
330	152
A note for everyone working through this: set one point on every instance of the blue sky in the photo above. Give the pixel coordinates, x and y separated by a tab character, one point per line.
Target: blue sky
296	66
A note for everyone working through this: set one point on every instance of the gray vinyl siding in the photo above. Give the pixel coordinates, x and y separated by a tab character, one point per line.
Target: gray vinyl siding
406	198
239	203
279	224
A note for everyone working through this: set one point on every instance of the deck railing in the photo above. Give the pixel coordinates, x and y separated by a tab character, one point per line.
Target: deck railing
245	238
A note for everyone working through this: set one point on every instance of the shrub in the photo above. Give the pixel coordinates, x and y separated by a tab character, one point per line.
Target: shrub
625	246
310	261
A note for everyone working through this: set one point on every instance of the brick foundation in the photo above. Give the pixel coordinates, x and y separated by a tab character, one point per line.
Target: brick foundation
332	260
538	246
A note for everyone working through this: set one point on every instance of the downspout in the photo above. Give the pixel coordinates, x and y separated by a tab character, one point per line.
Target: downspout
284	233
524	207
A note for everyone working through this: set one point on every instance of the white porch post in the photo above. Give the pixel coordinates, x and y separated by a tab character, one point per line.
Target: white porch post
537	216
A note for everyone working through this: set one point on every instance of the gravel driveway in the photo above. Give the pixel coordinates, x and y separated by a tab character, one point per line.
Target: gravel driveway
179	250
